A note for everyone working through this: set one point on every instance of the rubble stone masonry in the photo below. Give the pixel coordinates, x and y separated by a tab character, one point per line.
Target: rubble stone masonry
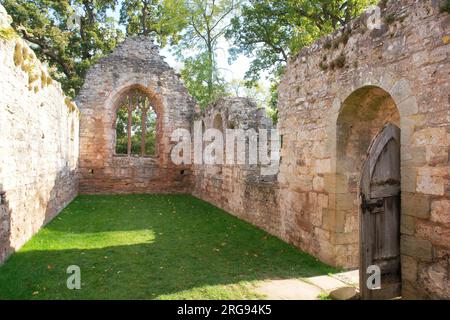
38	143
334	98
135	64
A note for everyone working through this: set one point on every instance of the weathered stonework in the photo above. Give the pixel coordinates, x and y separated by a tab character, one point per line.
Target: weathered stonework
135	63
38	144
329	113
328	116
334	99
239	189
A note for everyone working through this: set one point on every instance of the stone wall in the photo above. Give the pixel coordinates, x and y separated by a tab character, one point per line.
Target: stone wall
38	143
135	64
334	97
243	190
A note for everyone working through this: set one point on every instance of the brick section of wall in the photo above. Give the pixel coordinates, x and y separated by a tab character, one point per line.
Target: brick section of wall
38	143
135	63
407	60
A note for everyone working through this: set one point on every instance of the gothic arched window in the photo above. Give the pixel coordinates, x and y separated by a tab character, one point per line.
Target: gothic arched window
136	124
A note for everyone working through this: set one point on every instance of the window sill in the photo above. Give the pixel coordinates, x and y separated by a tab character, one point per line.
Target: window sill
122	156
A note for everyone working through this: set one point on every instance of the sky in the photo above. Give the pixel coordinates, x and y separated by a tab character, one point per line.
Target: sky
235	71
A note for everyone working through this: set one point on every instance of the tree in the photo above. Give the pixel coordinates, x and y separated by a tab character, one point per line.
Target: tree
163	20
69	49
272	31
208	21
196	75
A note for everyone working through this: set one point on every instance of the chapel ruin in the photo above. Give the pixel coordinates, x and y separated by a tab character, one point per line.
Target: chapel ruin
364	117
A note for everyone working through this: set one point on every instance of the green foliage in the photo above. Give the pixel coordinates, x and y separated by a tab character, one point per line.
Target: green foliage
324	297
136	132
273	102
122	131
197	74
207	23
272	31
267	31
150	247
163	20
68	51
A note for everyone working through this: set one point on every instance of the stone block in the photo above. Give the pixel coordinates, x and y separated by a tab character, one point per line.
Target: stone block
431	136
431	182
409	106
437	234
416	205
345	201
409	179
440	212
409	268
347	238
323	166
408	225
416	248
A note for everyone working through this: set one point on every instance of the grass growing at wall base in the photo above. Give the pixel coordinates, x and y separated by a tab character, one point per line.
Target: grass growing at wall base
150	247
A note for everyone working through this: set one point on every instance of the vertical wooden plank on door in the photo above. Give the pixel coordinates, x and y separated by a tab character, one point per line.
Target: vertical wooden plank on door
380	214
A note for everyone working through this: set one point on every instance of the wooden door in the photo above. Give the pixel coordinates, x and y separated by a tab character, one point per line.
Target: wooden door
380	215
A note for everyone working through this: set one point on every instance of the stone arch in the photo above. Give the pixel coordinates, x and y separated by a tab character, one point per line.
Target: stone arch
117	94
362	115
106	82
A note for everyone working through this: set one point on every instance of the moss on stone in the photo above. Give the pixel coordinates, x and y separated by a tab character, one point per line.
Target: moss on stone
26	59
445	7
70	105
323	66
18	58
8	33
32	77
25	53
43	80
389	19
340	61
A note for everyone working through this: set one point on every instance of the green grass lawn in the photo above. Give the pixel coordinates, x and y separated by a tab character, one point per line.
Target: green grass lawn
150	247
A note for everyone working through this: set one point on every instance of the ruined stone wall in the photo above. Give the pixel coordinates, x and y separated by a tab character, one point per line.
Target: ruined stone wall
135	64
404	66
38	143
242	190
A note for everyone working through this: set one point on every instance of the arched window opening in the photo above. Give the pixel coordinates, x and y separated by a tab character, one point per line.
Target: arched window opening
136	125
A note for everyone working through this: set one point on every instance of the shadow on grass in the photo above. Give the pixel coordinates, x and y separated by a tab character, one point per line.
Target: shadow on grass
147	247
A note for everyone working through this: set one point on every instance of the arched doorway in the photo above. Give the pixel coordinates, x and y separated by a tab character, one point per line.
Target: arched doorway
363	117
380	187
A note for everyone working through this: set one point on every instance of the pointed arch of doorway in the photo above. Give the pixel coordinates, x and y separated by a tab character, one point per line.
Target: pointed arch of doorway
401	94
